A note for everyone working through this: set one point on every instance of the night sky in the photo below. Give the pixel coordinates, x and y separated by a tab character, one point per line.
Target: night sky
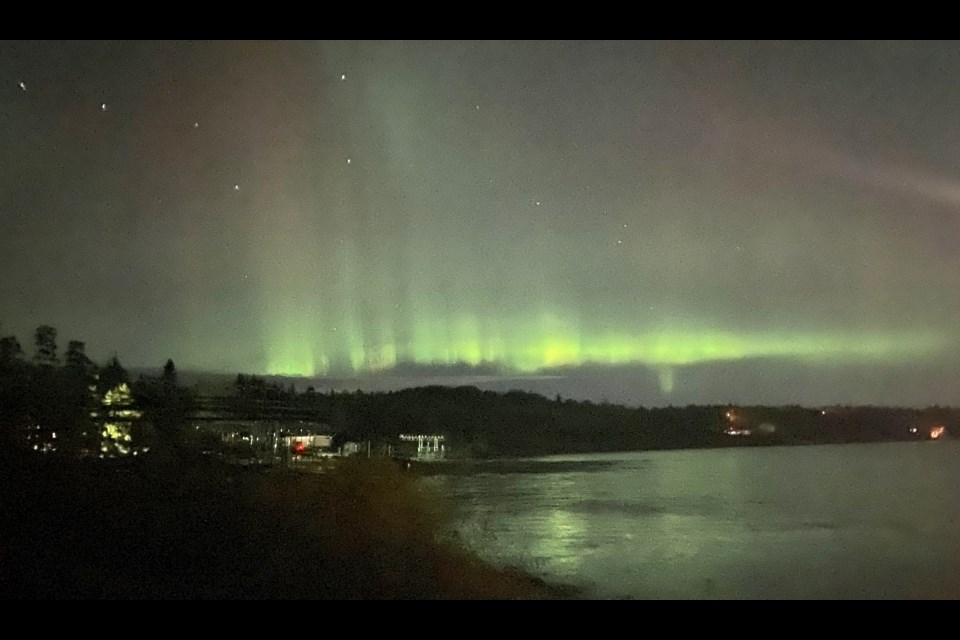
649	223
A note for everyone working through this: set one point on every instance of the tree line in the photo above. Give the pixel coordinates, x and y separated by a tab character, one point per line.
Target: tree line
66	396
45	394
484	423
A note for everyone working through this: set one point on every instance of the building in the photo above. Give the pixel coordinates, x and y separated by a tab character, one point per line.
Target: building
422	447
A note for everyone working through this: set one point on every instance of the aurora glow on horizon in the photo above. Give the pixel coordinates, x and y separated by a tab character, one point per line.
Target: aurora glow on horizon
532	211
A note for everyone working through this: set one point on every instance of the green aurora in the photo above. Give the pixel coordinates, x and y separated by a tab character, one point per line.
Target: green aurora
529	349
743	221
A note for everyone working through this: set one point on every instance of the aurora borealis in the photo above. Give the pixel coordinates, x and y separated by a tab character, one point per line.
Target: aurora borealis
602	219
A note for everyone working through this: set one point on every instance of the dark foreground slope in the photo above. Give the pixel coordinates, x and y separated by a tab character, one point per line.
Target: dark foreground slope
172	526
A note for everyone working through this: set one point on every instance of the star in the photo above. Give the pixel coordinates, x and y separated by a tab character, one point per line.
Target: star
103	106
537	203
236	187
196	125
348	160
343	77
23	85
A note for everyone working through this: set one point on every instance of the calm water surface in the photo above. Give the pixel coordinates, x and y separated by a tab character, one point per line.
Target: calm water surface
835	521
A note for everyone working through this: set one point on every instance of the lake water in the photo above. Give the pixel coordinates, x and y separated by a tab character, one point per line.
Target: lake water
833	521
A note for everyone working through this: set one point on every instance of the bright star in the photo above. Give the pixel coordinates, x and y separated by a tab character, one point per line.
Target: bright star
103	106
23	86
343	77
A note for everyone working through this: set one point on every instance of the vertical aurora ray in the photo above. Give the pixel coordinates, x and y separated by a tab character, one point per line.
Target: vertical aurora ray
624	215
435	246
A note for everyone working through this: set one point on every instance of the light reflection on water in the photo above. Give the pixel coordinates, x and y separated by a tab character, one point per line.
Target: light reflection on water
838	521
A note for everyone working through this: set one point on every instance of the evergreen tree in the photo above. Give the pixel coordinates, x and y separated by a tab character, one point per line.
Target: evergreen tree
14	385
77	395
45	339
10	351
169	376
77	359
112	375
170	407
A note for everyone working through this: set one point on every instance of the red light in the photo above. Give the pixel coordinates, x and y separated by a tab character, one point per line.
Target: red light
298	446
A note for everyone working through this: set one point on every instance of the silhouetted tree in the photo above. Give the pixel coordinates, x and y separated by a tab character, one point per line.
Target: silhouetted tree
165	405
10	351
171	407
111	375
77	358
14	386
59	400
76	392
45	339
169	375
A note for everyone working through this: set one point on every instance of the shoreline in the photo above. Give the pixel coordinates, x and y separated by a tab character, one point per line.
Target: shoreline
189	527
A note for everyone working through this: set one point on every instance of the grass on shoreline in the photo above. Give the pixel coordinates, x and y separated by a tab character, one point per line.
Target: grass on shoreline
178	526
